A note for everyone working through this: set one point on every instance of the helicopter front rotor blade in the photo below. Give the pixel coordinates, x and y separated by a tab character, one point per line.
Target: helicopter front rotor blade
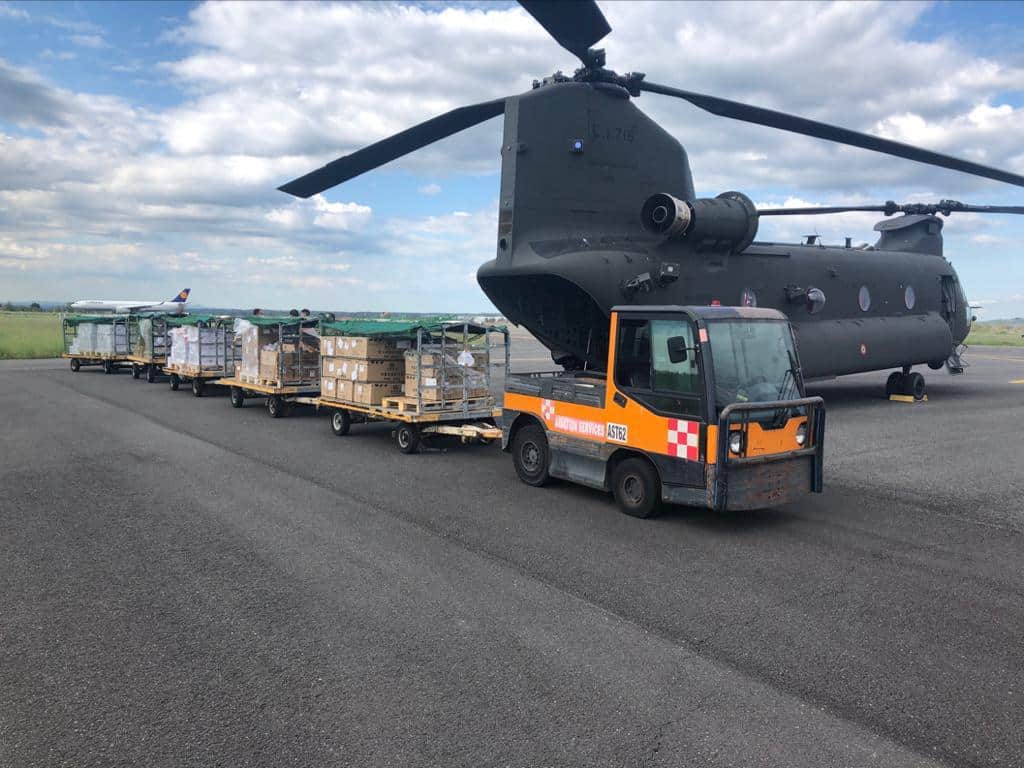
393	147
794	124
575	24
945	207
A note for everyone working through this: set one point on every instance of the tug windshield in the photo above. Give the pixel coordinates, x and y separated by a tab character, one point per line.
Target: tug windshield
754	361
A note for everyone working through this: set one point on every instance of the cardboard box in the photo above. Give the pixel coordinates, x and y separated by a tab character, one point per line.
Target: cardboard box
369	349
373	393
432	392
327	346
368	370
343	388
430	360
328	388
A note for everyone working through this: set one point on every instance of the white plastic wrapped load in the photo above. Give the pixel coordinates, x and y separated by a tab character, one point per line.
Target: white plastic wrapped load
151	341
85	339
249	365
111	340
177	354
206	348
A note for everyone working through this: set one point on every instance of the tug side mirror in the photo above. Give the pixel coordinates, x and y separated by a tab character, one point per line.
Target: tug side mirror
677	351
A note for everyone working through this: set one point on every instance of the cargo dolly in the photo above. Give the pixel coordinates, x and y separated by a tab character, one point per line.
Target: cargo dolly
279	375
434	409
147	344
109	361
215	359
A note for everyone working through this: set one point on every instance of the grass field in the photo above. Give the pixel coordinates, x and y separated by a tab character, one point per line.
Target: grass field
996	334
30	334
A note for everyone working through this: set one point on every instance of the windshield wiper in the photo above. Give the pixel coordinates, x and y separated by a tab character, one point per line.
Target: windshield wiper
789	382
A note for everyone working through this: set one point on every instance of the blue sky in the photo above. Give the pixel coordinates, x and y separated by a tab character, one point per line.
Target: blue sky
142	142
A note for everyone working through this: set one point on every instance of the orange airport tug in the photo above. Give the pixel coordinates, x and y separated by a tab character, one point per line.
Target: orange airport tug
700	406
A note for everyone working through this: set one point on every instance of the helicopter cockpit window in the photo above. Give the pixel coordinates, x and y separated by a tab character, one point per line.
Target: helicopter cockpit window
644	368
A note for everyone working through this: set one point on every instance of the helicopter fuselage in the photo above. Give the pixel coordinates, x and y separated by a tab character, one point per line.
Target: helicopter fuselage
578	162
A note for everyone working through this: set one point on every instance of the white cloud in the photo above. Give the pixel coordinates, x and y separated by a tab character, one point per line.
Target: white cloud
89	41
274	90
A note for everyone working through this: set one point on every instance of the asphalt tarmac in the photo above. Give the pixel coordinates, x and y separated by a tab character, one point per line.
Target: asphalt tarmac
187	584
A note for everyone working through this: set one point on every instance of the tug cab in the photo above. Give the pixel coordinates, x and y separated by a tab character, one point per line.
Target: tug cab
699	406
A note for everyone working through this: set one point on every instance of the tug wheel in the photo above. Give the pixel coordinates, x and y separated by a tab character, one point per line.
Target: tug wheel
636	488
530	455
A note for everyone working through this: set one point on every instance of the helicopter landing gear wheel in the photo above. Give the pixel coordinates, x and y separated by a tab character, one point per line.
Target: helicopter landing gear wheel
909	384
894	384
175	382
913	385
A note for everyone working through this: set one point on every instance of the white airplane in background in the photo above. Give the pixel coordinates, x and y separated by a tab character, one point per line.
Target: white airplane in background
175	306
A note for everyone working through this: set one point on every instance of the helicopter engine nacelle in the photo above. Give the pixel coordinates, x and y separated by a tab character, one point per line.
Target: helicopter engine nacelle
727	222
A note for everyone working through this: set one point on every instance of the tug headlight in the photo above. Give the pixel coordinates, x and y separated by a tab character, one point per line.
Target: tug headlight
801	434
736	442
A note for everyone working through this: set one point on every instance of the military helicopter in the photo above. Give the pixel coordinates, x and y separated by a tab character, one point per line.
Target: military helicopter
597	208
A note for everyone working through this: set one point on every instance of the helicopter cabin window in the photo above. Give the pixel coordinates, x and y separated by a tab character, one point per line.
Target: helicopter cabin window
644	365
864	298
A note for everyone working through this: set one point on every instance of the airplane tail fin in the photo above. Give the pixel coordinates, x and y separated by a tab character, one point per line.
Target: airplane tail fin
183	296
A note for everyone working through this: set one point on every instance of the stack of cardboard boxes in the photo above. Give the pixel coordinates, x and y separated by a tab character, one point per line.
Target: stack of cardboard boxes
357	369
450	375
269	359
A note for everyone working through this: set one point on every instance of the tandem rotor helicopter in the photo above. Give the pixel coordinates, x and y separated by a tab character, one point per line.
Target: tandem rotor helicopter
597	208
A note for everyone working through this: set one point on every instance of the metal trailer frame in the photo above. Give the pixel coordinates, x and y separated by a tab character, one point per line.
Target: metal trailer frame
140	363
279	397
462	418
197	375
110	362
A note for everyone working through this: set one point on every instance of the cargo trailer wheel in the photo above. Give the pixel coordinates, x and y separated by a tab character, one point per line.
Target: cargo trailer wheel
76	364
237	397
276	406
636	488
530	455
150	373
108	366
175	382
197	387
407	438
341	422
136	371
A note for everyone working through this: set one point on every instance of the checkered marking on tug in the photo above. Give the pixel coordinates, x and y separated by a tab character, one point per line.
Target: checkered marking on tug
684	439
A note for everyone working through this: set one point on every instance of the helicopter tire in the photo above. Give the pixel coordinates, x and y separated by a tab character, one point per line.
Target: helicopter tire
894	384
914	385
936	364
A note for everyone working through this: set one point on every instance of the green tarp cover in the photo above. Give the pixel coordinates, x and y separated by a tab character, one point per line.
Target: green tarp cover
396	327
180	320
268	320
97	319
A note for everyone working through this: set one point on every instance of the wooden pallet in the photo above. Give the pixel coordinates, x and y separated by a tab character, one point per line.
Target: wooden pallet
409	405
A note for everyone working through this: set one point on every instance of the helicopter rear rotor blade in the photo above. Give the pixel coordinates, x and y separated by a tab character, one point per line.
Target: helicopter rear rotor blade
945	207
393	147
794	124
575	24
